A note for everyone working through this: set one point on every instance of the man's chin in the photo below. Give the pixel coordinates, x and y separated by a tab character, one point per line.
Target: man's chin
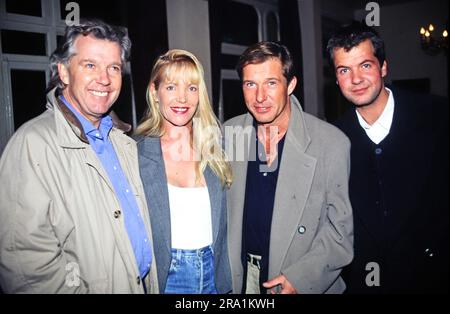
364	101
359	103
102	109
262	119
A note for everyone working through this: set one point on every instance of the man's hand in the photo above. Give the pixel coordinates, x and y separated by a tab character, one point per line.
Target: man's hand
286	287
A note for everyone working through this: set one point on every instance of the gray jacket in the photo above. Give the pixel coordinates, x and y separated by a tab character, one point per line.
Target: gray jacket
151	164
312	225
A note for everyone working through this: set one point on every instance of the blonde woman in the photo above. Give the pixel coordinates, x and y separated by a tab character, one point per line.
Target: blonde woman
185	177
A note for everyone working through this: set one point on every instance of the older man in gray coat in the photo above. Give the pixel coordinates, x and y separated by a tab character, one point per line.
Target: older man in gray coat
290	218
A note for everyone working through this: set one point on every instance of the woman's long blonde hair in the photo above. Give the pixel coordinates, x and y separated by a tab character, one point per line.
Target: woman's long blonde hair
205	129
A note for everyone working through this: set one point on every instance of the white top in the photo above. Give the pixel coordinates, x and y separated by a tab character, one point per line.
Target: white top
190	217
380	129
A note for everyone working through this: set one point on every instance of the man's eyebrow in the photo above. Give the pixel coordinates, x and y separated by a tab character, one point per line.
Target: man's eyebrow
88	60
95	61
347	67
367	61
272	79
342	67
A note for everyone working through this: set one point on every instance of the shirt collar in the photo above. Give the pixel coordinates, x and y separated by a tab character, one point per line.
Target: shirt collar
89	129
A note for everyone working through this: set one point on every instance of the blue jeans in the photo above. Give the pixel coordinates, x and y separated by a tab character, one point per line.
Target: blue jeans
192	272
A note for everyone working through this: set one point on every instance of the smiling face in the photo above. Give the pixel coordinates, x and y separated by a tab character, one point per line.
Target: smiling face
360	75
178	100
266	92
93	77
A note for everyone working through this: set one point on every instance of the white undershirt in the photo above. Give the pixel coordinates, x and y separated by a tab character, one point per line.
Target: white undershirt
380	129
190	217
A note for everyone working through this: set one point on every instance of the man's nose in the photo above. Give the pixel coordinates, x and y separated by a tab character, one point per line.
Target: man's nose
261	95
356	77
103	77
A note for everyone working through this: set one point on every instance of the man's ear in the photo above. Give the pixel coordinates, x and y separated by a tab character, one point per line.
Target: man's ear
384	69
291	85
63	73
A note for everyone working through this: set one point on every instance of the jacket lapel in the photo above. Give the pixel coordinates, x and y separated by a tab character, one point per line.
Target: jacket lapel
215	199
155	181
294	183
236	195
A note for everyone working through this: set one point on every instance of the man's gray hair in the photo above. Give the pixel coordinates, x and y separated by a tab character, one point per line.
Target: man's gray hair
96	28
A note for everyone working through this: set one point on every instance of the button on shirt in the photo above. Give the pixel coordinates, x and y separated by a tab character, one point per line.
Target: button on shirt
100	143
380	129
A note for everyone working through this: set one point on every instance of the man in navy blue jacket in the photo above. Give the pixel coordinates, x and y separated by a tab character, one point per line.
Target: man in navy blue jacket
399	173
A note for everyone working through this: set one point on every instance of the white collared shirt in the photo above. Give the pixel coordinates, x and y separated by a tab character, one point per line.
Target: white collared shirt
380	129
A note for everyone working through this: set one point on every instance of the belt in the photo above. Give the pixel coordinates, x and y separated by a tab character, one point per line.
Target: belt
254	259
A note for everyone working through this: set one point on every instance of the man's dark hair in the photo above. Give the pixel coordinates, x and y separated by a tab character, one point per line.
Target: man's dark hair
93	27
351	36
263	51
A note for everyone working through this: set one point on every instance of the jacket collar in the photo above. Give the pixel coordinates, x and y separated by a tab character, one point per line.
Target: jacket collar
54	103
295	180
150	147
297	131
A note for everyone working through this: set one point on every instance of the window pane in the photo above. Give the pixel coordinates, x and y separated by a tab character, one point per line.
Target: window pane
233	100
272	27
239	24
25	7
228	61
59	40
29	104
23	43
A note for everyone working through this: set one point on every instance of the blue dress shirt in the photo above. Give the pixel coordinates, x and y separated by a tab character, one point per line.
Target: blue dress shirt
100	143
